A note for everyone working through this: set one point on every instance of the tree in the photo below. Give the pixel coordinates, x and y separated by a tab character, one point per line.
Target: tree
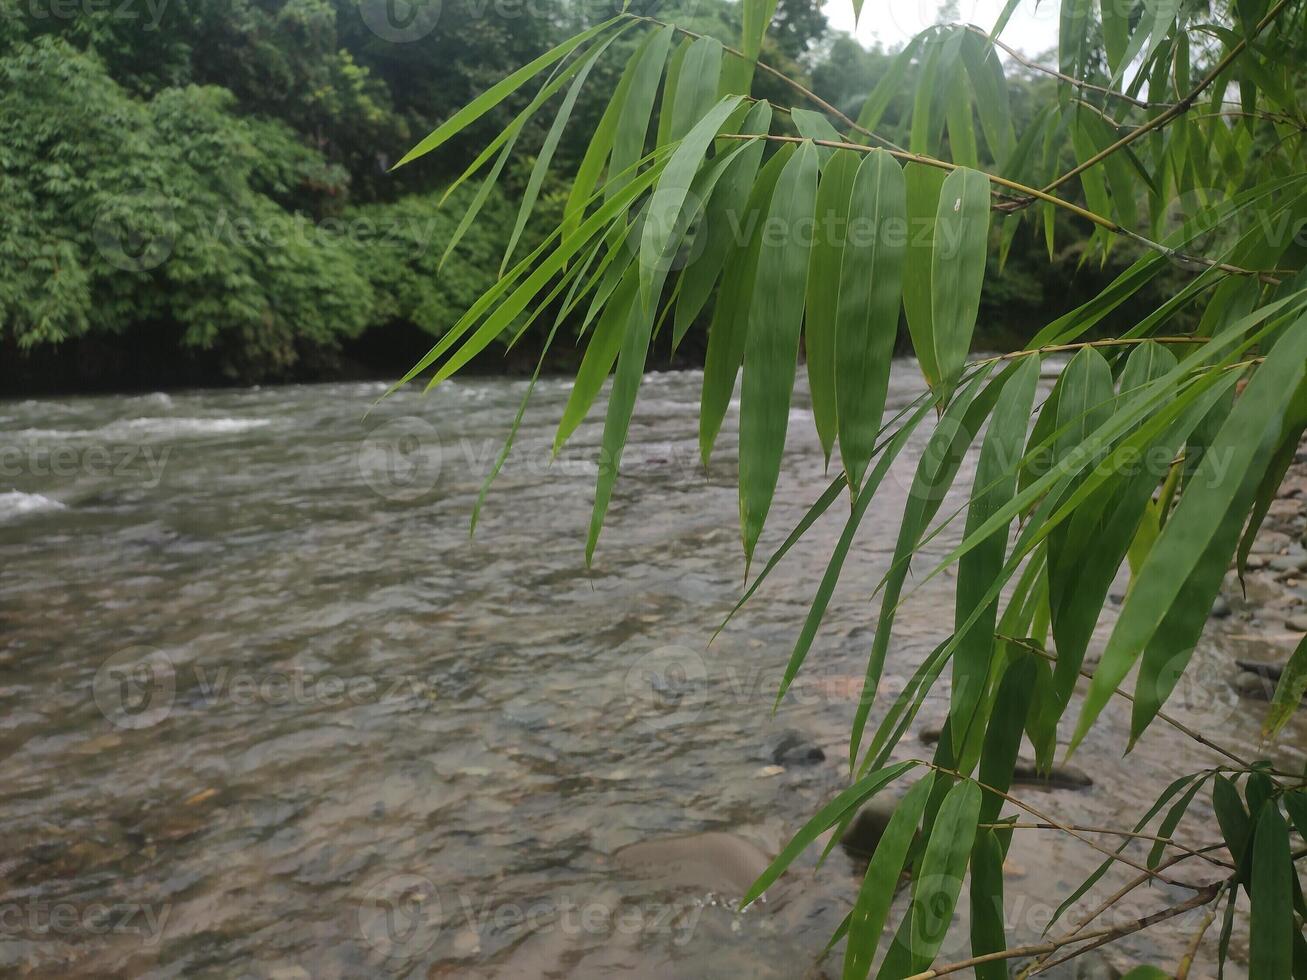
1160	447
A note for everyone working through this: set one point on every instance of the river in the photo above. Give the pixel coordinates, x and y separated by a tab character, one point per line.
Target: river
269	711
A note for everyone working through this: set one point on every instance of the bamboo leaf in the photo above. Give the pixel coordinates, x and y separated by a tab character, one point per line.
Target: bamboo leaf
871	908
1003	737
867	306
823	293
939	877
600	355
988	934
923	185
633	122
958	269
1270	947
696	92
772	347
995	483
601	143
660	238
1289	692
729	331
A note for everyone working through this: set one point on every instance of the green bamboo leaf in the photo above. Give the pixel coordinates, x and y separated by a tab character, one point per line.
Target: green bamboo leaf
871	908
1270	946
867	311
729	331
923	191
1172	820
670	83
1003	737
1289	692
621	405
633	123
496	94
1296	804
815	126
1073	36
722	224
601	143
532	192
958	269
772	346
985	72
988	933
600	355
1168	602
824	290
958	120
1232	818
659	239
696	91
1116	30
938	881
851	798
995	483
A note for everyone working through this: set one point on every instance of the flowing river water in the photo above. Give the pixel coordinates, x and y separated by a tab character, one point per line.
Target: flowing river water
268	711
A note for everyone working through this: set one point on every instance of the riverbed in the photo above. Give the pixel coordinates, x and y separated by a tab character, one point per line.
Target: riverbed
270	711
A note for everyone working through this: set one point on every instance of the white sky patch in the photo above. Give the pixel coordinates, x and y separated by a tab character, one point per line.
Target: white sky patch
1032	29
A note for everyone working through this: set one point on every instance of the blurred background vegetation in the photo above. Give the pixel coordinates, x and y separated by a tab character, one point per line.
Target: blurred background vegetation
198	192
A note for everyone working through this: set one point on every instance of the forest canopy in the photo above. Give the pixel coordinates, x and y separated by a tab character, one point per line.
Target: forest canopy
216	176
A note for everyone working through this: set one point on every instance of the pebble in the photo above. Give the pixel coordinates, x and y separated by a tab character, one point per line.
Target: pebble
793	748
1297	623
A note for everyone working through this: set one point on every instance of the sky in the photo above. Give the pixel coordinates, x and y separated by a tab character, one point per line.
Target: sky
1032	29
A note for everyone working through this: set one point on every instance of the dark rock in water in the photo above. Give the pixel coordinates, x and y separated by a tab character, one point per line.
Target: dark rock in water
1220	608
1059	777
1251	685
1261	668
794	748
868	827
717	862
1297	623
931	735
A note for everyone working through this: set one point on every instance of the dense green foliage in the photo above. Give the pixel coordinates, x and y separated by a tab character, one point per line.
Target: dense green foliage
1170	136
245	150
